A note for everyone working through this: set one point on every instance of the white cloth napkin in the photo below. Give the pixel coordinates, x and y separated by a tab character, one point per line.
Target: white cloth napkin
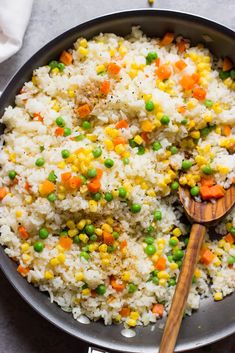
14	17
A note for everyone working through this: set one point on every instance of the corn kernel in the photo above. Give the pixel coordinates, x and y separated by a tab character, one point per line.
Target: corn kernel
83	43
111	52
19	213
92	205
134	315
103	248
131	322
26	258
93	247
55	71
81	224
200	160
208	118
109	145
155	257
24	247
54	261
138	139
183	180
119	149
190	105
122	50
195	134
228	82
147	126
221	243
34	80
12	157
106	227
71	93
217	262
70	224
61	196
104	255
28	200
176	232
61	258
61	165
126	276
84	238
173	266
79	276
218	296
222	170
98	231
217	108
197	273
105	262
86	291
162	282
100	68
82	51
48	275
163	274
56	107
72	232
228	226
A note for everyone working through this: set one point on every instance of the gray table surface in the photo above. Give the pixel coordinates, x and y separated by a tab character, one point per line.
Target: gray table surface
21	329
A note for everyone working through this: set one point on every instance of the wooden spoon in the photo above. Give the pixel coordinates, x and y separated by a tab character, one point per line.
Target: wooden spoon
202	215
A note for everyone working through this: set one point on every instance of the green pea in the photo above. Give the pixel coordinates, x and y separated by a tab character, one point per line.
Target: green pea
76	239
151	56
42	148
65	154
64	233
171	282
194	191
122	192
97	196
101	289
157	215
179	263
132	288
150	250
111	248
186	165
85	248
39	162
60	121
135	208
208	103
149	240
141	150
86	125
84	179
173	150
61	67
232	230
178	254
12	174
150	229
207	170
97	152
165	120
92	173
173	242
53	64
194	280
43	233
174	185
155	280
89	229
156	146
184	122
186	240
115	235
154	273
79	137
132	143
170	258
52	177
108	163
224	74
38	246
84	255
108	196
93	237
205	131
149	106
231	260
51	197
67	131
125	160
232	74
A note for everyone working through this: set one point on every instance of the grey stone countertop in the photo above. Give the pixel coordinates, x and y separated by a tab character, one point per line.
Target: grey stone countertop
21	329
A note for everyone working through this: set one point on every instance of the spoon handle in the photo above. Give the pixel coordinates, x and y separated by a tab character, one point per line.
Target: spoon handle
184	282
